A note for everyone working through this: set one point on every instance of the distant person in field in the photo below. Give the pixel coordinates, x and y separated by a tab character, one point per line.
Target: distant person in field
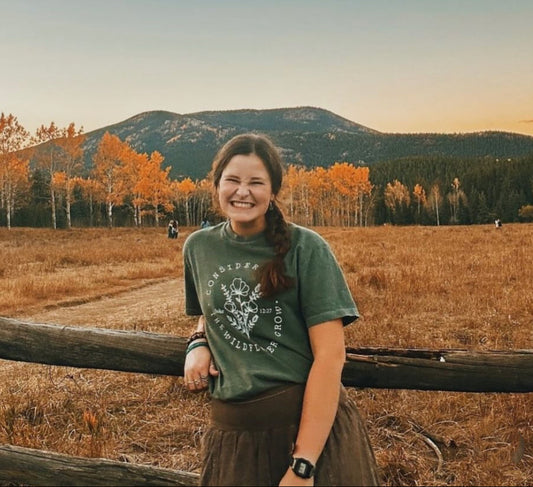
205	223
272	303
170	229
175	229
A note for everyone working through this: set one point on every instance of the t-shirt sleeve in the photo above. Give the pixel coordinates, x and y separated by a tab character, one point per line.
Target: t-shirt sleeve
323	291
192	303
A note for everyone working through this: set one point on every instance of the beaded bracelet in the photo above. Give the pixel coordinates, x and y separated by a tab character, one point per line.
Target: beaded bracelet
192	346
195	336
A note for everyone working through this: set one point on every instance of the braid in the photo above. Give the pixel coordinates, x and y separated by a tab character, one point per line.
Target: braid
271	275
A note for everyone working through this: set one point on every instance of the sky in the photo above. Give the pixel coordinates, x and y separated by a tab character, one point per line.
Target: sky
401	66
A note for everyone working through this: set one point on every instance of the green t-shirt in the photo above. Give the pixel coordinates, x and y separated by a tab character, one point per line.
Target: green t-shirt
259	343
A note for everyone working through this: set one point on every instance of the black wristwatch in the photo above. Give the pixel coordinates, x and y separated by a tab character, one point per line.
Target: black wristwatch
302	467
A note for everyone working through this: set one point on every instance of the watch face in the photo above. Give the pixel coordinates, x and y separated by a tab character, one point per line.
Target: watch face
303	468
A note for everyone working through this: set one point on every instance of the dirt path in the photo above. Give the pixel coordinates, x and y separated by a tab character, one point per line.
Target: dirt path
152	302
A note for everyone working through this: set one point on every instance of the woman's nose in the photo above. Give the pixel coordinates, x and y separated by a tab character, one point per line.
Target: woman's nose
243	189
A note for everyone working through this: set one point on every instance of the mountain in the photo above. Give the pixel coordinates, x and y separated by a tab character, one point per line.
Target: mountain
306	135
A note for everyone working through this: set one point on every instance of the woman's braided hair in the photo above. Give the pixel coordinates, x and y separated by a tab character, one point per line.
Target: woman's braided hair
271	275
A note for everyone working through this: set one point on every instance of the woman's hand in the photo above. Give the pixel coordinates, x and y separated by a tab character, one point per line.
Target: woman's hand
198	367
290	478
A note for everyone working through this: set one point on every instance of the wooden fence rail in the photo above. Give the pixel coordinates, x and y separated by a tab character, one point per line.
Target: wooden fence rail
26	466
151	353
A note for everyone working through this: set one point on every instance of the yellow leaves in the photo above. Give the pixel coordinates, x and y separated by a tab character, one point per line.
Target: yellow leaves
13	135
344	178
336	195
127	176
59	179
397	195
70	132
419	193
186	186
71	142
109	153
90	188
46	134
341	174
456	184
153	183
109	162
14	169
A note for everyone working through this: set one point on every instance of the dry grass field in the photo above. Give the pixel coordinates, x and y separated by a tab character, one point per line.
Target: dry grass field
416	287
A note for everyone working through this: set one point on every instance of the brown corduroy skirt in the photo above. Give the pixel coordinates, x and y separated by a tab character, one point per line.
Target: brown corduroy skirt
249	442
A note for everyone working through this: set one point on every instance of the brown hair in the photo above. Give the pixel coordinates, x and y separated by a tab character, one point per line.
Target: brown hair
271	275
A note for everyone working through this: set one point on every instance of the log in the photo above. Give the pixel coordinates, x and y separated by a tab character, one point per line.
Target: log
92	348
26	466
151	353
442	370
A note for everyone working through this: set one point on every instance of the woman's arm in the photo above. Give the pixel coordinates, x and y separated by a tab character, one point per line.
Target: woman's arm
321	396
199	363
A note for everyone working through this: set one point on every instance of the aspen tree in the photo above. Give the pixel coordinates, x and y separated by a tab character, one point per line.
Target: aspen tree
397	200
132	166
92	191
363	192
48	158
70	163
109	172
186	189
319	192
154	185
434	202
420	196
14	169
455	198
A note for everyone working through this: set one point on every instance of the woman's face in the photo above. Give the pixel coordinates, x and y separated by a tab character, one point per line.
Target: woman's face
244	193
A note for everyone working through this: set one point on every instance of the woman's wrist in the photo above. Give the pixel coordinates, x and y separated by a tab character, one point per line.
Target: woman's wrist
196	336
196	344
201	325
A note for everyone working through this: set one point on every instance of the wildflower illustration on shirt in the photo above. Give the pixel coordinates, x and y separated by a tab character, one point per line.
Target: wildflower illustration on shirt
241	307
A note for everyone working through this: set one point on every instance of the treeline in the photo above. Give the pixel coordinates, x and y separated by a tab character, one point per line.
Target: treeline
448	190
44	182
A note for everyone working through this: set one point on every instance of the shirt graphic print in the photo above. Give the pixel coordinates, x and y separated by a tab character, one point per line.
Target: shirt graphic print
246	321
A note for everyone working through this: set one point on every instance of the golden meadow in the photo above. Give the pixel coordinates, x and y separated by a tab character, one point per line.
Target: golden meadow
466	287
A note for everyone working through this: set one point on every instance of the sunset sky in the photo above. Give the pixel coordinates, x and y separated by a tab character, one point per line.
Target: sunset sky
395	66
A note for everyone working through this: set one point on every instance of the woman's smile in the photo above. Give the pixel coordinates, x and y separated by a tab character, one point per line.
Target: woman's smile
242	204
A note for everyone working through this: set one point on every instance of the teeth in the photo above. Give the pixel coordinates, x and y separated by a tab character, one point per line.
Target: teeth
242	204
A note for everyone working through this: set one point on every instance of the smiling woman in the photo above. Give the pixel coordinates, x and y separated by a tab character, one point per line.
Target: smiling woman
269	344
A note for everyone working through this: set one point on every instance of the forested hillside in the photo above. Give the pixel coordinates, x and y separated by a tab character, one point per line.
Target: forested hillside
307	136
153	167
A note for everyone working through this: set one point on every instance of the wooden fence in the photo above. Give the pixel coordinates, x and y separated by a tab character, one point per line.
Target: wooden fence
151	353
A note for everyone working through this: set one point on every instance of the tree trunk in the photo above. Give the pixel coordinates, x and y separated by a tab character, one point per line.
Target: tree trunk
110	214
67	209
53	205
8	212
